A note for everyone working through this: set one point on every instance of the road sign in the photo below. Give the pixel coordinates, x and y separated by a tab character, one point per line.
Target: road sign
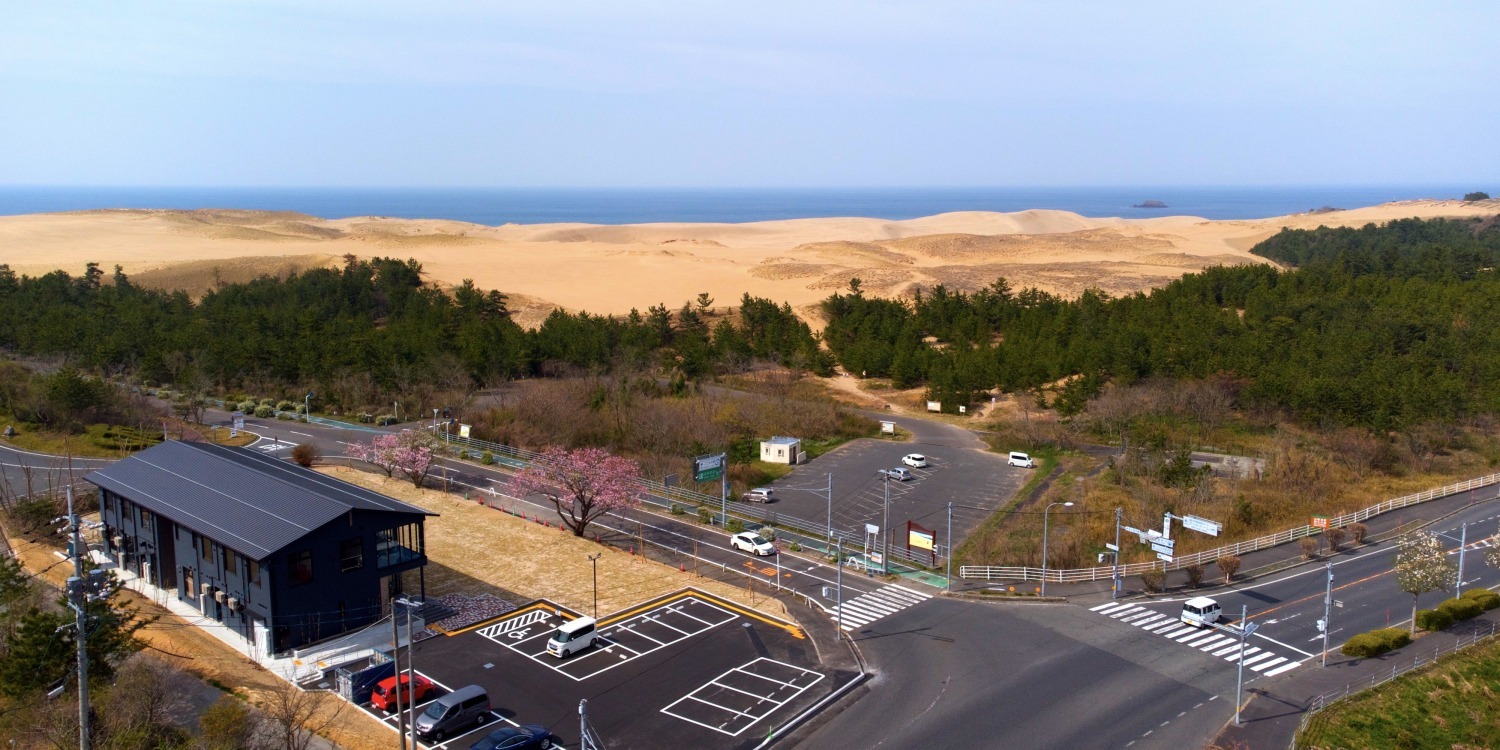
708	468
1163	546
463	431
1111	547
669	481
236	423
1201	525
1320	522
888	428
1163	557
1250	627
920	539
876	558
871	528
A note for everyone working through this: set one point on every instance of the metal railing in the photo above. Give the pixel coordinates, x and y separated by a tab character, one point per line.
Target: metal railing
1076	575
1483	631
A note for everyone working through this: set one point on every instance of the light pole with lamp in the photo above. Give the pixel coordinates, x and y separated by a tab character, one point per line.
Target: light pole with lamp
885	531
1048	509
307	409
594	558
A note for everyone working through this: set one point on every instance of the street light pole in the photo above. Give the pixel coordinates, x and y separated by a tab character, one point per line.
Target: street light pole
1114	590
1045	511
78	596
1327	614
396	672
594	558
1239	684
838	608
950	547
1463	536
830	509
885	531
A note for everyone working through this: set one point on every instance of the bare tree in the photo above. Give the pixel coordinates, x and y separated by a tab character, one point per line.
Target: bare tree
294	716
1355	449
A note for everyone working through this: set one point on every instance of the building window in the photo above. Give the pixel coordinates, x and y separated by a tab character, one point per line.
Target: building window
253	568
398	545
231	563
300	566
351	554
145	518
206	549
109	503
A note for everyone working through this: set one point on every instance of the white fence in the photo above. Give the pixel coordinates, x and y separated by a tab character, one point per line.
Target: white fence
1076	575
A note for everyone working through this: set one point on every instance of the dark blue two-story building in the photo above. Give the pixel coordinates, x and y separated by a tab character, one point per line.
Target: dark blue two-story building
280	555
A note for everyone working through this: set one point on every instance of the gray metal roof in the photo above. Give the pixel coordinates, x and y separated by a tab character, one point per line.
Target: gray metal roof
779	440
248	501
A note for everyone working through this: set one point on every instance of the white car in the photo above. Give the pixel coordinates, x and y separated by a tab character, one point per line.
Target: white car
915	460
1022	460
758	495
751	542
899	474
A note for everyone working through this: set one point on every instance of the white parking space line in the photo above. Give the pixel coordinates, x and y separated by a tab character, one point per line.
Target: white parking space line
768	702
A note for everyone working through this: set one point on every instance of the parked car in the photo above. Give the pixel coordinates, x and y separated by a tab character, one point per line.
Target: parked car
758	495
752	542
383	696
455	713
899	474
524	737
914	460
1022	460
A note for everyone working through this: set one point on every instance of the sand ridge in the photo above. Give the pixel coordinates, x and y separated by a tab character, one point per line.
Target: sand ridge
614	268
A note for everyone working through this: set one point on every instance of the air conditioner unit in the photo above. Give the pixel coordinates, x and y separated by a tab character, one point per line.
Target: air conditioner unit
206	588
220	597
234	604
119	541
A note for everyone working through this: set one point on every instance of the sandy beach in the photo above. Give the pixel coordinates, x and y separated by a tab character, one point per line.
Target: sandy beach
613	268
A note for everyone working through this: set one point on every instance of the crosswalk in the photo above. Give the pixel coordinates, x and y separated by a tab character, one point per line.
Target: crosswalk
863	610
1208	640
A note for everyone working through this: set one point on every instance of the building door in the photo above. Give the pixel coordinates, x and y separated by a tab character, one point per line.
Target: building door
189	591
167	552
261	637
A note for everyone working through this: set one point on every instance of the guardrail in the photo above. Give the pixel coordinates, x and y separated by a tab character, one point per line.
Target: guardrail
1077	575
1483	631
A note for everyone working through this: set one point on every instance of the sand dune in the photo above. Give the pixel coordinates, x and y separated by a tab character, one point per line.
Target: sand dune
611	269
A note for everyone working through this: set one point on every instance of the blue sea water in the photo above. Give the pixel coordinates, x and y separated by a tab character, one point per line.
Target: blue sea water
496	206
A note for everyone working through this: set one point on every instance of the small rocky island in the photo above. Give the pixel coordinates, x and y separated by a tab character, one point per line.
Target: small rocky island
1150	204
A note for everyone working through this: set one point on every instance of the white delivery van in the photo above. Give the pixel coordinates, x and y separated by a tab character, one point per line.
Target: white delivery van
1022	460
573	637
1200	612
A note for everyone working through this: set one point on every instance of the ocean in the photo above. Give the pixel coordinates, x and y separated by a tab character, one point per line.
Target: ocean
497	206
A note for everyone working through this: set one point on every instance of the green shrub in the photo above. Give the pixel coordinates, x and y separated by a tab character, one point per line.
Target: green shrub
1461	609
1433	619
245	406
704	516
385	419
1486	598
1393	638
1363	646
795	547
285	406
487	458
734	526
264	410
264	402
677	509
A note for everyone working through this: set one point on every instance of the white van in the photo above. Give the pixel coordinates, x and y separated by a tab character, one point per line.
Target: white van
573	637
1200	612
1022	460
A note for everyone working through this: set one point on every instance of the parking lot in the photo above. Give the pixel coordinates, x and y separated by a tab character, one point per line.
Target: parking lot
976	482
686	670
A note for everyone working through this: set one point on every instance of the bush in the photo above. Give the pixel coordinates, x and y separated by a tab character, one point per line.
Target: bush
734	526
704	516
263	411
1309	547
487	458
385	419
1357	531
1393	638
1335	537
1194	575
285	406
264	402
304	454
247	407
677	509
1363	646
795	547
1461	609
1433	619
1486	598
1477	195
1229	565
1154	580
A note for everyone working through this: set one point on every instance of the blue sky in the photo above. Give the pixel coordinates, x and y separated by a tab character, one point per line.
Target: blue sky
644	93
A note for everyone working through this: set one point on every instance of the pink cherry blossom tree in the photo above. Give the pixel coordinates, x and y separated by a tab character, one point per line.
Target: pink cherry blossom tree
380	451
583	484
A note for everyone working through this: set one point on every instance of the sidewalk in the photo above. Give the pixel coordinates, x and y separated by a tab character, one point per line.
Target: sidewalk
1261	562
1271	717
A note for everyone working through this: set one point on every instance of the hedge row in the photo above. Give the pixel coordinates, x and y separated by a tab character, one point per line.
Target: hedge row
1376	642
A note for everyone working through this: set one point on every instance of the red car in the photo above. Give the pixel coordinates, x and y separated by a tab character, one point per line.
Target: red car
384	695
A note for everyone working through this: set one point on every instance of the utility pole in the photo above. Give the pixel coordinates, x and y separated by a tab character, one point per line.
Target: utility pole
1114	590
723	492
594	558
80	589
830	509
1239	684
885	531
396	662
411	670
1463	536
1327	614
950	547
838	608
583	724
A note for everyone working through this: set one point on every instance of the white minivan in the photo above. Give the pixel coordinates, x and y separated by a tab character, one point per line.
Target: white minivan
1200	612
573	637
1022	460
